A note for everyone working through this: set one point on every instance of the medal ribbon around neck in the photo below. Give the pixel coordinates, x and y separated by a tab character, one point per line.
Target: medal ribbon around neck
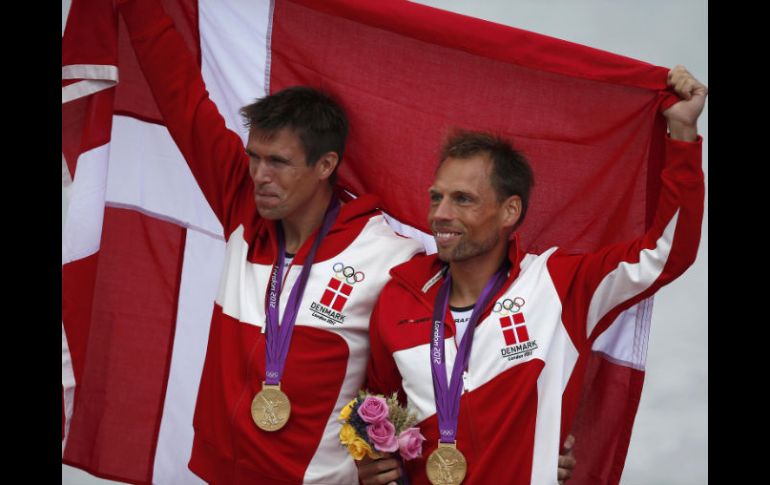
278	337
448	395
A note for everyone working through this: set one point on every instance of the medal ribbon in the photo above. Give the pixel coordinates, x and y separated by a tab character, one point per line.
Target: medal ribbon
277	337
448	395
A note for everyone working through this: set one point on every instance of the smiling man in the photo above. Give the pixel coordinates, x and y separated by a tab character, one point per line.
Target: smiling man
487	370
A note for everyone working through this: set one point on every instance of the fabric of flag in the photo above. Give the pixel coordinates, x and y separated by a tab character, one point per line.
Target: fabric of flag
142	250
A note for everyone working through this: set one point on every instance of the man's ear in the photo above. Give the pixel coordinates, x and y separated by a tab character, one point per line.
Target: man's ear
326	164
511	211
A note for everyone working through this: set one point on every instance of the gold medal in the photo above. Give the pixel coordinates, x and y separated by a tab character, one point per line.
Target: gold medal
270	408
446	465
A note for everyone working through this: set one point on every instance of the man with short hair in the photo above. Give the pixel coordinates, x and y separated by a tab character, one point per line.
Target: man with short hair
502	330
288	342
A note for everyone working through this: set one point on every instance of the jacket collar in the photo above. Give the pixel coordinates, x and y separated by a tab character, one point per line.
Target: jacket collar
353	216
422	275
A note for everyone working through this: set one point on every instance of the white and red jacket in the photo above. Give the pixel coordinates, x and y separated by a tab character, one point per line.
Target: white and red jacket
525	369
327	356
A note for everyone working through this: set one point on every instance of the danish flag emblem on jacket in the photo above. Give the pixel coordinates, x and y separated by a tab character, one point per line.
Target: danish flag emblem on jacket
512	320
340	286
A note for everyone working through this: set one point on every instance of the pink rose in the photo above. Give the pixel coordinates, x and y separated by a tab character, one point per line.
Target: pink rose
383	435
410	443
373	409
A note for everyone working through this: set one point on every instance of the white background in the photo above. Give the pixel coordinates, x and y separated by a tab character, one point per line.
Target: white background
669	444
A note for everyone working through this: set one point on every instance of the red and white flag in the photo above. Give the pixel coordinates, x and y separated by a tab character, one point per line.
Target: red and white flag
142	250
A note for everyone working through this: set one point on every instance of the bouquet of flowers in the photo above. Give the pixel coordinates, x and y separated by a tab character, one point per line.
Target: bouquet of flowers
373	424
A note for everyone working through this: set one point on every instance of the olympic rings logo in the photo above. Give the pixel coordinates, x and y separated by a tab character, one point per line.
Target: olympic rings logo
350	275
513	306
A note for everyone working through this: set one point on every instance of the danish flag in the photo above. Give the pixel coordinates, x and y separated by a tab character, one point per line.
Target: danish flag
514	329
336	294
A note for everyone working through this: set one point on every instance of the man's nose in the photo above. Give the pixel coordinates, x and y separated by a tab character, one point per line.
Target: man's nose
442	210
260	173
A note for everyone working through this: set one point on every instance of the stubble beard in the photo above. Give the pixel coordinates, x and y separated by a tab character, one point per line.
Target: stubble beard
270	214
465	250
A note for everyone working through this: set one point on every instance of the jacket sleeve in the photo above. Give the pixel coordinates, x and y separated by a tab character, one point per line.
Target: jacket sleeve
594	288
382	375
215	154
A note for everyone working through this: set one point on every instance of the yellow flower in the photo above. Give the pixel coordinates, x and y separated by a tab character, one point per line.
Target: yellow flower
347	434
358	448
347	410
